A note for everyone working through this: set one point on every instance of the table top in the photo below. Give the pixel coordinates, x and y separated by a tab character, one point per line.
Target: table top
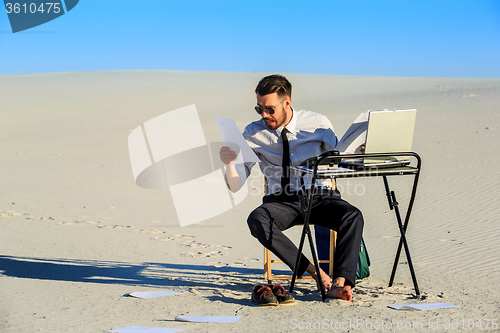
368	172
331	158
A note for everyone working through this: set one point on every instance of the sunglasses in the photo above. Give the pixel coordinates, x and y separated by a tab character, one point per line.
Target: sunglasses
268	109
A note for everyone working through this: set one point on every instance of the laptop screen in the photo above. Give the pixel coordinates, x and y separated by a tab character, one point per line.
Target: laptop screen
390	131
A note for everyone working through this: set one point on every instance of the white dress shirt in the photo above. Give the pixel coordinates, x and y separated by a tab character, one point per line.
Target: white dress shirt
311	134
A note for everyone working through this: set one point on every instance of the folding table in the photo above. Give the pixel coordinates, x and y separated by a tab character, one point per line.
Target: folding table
329	169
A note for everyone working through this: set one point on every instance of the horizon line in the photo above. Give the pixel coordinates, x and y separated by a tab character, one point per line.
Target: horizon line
246	72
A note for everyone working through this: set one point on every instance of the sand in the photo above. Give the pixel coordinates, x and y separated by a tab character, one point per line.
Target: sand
77	233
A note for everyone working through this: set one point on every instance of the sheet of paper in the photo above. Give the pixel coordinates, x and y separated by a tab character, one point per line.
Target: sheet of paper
209	319
152	294
141	329
422	306
230	133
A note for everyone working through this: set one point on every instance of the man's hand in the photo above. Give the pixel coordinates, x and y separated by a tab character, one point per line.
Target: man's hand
227	155
360	149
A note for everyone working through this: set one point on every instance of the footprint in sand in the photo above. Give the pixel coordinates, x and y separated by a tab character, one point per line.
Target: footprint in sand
249	260
75	222
209	250
206	254
116	226
196	245
11	213
174	237
148	231
39	218
68	223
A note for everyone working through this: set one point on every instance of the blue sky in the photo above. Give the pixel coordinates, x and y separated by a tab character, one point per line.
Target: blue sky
429	38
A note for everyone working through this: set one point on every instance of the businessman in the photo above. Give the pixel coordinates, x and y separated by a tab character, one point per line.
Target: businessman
283	137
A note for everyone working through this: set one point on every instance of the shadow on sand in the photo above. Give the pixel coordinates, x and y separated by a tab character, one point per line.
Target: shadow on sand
113	272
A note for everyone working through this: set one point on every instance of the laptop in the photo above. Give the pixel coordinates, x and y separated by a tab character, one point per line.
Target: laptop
388	131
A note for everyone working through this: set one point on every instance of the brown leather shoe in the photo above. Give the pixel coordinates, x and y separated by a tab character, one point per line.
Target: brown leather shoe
263	296
281	294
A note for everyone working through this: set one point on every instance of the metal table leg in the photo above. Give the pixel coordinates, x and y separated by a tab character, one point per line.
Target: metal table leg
393	205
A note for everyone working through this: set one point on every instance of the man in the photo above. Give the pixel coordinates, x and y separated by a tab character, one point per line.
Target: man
283	137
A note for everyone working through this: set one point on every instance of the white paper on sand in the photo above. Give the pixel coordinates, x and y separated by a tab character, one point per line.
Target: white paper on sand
209	319
424	306
142	329
152	294
230	133
355	135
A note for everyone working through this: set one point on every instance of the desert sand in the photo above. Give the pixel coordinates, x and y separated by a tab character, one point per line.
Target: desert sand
77	233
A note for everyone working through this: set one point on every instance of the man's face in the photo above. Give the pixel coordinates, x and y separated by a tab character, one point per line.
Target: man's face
282	110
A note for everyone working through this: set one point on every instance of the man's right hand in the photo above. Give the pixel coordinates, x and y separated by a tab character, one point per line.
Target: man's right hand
227	155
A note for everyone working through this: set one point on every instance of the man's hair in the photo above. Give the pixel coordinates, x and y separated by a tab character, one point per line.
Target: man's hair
274	84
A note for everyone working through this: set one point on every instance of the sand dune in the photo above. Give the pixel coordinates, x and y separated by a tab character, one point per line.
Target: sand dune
77	233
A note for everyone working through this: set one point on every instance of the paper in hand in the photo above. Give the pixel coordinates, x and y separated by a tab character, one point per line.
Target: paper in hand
230	133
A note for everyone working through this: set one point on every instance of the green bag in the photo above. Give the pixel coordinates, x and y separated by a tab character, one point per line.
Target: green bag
363	270
322	236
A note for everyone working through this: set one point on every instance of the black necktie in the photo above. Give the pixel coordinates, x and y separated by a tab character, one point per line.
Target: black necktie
285	171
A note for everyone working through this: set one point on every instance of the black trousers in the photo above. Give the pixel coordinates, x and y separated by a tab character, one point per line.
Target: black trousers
278	213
